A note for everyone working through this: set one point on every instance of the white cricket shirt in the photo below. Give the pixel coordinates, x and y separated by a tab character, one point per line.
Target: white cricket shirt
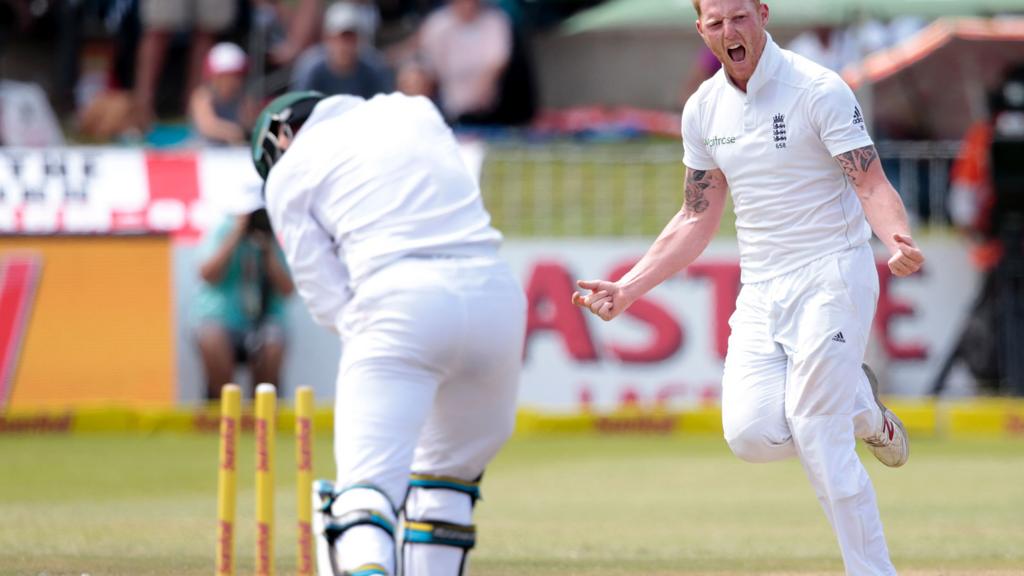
365	183
775	144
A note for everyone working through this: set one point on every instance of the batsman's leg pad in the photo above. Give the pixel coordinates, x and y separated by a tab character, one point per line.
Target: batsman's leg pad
354	529
437	531
323	497
367	570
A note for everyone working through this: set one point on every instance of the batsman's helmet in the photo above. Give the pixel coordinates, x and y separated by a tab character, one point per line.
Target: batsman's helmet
289	110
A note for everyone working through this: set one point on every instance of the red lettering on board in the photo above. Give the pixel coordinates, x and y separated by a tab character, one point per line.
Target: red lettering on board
889	309
549	295
666	333
725	285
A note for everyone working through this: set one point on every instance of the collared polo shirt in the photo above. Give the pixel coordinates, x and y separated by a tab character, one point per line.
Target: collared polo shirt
776	144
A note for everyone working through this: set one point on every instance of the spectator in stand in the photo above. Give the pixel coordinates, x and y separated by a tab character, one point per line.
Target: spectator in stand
219	108
240	306
873	35
414	79
160	20
346	65
301	25
828	46
836	48
468	45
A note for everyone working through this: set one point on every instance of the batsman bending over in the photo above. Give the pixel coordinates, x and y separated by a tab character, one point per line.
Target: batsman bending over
391	247
787	138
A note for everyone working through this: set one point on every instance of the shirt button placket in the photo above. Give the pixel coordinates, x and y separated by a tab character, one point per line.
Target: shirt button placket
749	116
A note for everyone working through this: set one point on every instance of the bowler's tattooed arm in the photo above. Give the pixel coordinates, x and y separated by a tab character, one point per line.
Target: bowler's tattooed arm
699	185
684	237
855	163
883	208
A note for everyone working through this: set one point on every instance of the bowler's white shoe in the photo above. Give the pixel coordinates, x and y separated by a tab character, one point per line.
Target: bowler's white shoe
891	445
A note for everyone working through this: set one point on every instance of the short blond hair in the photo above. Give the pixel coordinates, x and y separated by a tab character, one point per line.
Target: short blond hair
696	5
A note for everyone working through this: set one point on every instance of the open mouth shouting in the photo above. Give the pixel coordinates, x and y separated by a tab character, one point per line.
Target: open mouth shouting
737	52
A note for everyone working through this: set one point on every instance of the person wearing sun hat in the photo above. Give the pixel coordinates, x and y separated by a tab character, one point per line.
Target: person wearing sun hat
219	108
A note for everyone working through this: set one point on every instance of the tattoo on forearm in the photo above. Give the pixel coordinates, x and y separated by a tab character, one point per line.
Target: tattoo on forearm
855	163
697	181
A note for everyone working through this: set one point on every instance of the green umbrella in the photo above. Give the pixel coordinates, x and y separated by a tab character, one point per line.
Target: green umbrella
618	14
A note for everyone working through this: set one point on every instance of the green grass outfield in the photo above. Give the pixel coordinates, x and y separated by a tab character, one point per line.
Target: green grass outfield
565	505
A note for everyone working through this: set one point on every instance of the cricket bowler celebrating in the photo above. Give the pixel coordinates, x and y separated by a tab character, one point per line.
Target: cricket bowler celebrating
390	246
787	138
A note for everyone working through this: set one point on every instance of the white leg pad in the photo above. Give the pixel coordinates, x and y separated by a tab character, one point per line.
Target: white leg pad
445	518
356	532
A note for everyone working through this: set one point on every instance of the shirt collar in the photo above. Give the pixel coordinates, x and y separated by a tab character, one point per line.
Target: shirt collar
766	66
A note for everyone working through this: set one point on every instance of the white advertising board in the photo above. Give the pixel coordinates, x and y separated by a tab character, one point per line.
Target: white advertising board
669	348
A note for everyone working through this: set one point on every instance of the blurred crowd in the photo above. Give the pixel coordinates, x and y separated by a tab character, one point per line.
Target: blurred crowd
125	67
127	64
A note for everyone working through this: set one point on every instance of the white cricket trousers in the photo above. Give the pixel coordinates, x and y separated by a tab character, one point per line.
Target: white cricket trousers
793	386
431	354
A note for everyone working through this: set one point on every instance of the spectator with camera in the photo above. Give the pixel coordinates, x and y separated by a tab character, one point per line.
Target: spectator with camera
241	304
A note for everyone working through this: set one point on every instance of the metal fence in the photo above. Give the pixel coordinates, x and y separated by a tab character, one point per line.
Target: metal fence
632	189
921	172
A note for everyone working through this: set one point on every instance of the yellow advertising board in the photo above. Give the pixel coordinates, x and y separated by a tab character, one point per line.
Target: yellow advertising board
85	320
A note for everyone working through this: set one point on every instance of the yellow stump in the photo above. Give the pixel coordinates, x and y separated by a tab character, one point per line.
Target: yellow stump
266	401
227	484
304	478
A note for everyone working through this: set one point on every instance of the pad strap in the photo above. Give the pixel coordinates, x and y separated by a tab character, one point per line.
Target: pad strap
328	495
337	526
470	488
439	533
324	490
